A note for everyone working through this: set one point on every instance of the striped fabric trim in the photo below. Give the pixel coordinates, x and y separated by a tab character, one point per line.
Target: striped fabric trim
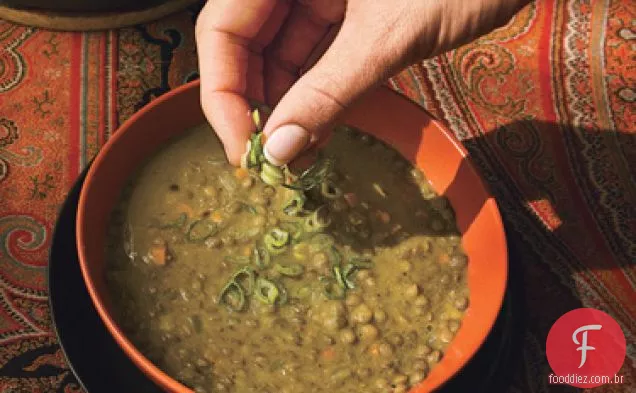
93	115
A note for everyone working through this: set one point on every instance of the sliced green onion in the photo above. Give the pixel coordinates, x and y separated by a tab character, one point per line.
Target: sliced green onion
233	289
294	206
245	277
195	234
292	270
352	267
379	190
266	291
347	271
290	177
256	118
318	220
272	174
276	241
261	257
329	190
259	113
339	277
274	250
313	176
294	229
331	289
255	153
279	237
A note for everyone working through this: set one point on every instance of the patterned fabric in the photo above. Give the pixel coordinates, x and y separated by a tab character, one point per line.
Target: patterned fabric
546	107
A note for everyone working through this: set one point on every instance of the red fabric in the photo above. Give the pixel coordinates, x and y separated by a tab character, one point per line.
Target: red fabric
546	107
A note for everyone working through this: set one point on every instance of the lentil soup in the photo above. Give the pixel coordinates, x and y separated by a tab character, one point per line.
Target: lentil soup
348	277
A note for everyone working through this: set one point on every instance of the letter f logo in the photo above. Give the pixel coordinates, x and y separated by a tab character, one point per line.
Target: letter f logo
583	344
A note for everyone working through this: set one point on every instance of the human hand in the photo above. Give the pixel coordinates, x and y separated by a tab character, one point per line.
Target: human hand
266	50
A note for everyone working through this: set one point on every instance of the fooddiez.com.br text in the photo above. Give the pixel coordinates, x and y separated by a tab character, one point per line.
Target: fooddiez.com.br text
583	379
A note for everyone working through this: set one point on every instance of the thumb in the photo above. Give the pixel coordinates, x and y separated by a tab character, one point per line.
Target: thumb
352	65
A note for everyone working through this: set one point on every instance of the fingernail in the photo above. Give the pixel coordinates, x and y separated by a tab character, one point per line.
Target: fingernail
285	143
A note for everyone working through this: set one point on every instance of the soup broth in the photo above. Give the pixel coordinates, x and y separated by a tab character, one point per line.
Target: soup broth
230	284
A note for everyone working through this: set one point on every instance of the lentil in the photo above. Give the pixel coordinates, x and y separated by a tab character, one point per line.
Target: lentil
359	297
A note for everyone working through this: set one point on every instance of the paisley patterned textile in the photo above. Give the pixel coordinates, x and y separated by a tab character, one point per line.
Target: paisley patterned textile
546	107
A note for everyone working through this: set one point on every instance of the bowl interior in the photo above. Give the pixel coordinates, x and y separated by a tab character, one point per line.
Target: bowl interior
382	113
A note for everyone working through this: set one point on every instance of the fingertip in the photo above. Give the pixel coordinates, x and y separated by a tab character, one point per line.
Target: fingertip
233	156
229	116
285	143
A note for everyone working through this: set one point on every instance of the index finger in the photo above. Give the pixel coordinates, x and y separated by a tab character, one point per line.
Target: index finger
230	35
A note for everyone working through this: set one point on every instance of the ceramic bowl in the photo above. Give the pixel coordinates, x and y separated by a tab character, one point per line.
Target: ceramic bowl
383	113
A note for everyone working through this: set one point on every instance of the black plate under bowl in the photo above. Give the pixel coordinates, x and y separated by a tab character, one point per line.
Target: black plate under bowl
91	352
100	365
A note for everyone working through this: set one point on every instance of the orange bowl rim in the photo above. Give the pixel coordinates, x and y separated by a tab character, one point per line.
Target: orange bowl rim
149	367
